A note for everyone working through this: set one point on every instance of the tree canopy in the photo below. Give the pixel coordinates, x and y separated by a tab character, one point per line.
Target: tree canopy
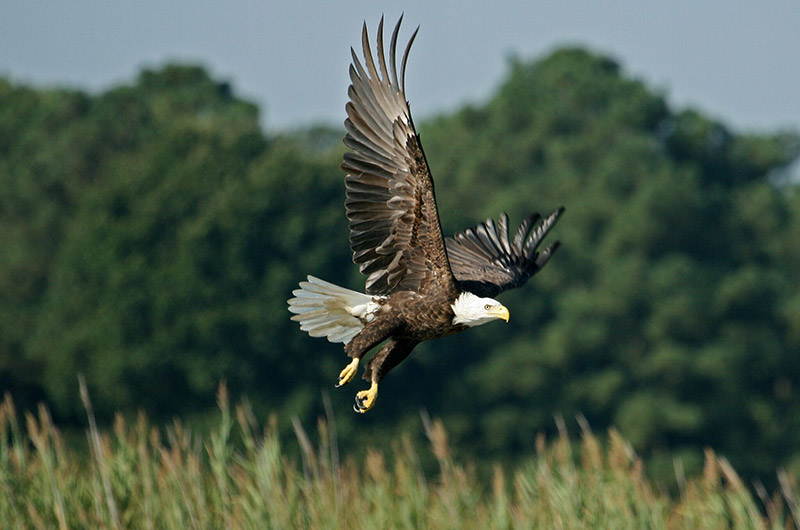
152	234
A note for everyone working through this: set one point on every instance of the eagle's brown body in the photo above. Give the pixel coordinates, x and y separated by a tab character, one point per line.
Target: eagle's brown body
408	318
414	276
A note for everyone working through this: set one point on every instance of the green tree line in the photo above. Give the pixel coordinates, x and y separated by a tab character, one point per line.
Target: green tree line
151	235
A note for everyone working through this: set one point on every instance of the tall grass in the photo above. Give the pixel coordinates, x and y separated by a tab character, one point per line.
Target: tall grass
239	476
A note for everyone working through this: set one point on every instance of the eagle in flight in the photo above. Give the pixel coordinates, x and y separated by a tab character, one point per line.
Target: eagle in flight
419	285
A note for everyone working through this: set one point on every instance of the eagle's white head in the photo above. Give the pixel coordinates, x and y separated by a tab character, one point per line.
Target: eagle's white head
472	310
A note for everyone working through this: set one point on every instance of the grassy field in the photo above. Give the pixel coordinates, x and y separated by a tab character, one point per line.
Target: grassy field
141	476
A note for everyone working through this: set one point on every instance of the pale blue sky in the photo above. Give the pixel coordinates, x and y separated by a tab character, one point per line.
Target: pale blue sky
737	61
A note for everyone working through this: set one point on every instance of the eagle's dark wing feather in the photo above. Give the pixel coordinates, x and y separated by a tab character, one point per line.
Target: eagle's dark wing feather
485	262
395	233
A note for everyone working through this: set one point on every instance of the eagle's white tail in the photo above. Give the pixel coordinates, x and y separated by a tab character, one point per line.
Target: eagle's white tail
327	310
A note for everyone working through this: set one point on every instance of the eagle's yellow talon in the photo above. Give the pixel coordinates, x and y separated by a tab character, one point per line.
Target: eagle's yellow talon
366	398
346	375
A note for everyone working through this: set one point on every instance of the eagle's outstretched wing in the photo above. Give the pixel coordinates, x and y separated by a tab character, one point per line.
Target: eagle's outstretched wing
395	233
486	263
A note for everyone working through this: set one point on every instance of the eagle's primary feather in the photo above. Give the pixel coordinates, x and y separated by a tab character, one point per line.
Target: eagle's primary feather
419	286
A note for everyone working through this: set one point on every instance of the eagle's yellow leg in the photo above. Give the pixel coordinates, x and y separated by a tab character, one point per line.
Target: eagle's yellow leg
366	398
346	375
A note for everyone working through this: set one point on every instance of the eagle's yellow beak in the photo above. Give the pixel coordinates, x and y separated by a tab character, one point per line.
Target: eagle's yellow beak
499	311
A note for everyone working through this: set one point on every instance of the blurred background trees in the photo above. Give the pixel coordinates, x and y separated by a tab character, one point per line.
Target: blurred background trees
152	234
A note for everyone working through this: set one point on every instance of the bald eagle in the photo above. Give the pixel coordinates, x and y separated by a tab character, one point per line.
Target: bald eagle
419	285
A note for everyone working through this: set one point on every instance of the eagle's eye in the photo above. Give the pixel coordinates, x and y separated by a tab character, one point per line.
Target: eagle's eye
487	306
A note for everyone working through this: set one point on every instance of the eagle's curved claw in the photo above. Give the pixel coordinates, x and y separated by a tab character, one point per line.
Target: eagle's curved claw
366	398
346	375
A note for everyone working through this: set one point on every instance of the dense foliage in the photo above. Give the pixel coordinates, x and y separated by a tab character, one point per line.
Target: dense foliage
152	234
